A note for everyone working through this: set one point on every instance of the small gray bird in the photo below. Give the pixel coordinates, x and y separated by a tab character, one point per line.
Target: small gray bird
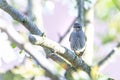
77	40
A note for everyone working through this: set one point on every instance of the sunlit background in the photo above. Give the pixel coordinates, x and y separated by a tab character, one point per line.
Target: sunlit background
54	18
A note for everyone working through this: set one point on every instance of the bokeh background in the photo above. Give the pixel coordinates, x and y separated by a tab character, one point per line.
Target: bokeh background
55	17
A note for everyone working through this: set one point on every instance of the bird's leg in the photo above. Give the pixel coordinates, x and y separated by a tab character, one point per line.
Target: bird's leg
75	56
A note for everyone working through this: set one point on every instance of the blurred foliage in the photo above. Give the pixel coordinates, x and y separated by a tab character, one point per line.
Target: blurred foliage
114	23
108	11
107	38
96	75
103	8
28	69
11	76
117	3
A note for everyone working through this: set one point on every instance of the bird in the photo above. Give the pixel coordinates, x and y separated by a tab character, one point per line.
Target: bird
77	40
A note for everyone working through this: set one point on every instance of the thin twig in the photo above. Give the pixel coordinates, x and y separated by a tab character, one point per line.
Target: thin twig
29	10
68	30
111	53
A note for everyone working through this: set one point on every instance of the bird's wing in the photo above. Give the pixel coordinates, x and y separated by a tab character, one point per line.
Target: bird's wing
81	39
72	40
70	37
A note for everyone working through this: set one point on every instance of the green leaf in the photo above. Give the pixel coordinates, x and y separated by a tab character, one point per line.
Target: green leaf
20	51
13	45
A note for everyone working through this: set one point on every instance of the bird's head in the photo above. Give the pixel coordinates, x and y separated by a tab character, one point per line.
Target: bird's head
77	26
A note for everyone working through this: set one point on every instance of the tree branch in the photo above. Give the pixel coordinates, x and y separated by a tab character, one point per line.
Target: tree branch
80	5
20	18
60	50
66	54
59	60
